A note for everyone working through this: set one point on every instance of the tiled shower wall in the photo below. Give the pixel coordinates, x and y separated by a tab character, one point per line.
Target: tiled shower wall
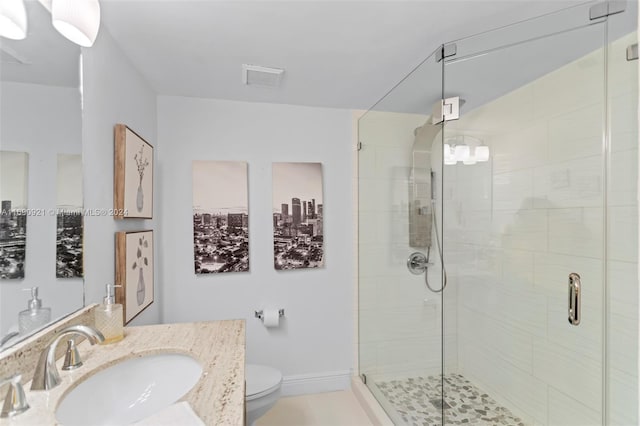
517	226
399	319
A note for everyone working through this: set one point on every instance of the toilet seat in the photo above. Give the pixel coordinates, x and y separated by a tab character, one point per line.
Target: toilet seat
261	380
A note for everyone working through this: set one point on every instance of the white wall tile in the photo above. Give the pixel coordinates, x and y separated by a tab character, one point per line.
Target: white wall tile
623	288
393	162
525	310
623	398
569	371
622	337
524	147
569	184
564	89
518	390
576	231
513	190
517	268
623	234
577	133
522	229
623	178
509	344
586	338
566	411
551	274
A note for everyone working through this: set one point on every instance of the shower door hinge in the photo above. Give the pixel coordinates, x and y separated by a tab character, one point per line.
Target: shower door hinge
359	146
445	51
364	378
446	110
632	52
606	8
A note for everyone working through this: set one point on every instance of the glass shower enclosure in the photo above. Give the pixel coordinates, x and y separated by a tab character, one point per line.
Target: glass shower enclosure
498	224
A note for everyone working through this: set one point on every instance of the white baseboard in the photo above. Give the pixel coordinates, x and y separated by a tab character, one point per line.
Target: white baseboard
316	383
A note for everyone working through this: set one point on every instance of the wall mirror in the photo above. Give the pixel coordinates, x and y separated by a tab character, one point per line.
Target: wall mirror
41	223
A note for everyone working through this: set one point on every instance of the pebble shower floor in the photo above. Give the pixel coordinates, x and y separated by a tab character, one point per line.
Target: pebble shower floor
417	402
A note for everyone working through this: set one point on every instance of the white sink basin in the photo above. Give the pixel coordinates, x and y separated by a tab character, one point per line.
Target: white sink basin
129	391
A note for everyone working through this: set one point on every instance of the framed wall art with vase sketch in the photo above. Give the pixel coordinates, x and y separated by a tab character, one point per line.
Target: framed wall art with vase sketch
133	175
134	272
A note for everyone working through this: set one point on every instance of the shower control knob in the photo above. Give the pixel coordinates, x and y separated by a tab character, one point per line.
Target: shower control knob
417	263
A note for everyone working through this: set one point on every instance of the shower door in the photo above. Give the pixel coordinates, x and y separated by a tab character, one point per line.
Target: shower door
526	208
400	320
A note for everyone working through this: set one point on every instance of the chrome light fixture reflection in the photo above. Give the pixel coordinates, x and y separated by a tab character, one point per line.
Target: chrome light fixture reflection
77	20
13	19
466	149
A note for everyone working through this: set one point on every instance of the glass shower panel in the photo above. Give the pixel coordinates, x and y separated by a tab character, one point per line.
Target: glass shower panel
524	202
400	320
622	229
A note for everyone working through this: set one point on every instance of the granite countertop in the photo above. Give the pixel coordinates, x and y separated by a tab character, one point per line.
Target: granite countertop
219	346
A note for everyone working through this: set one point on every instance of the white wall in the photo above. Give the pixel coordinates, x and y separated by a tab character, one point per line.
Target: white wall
43	121
315	337
399	318
114	92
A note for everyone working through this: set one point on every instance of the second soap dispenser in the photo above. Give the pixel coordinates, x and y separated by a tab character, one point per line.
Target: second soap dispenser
109	317
35	316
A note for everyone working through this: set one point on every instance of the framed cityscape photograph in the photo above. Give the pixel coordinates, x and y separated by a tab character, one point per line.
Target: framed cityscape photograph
134	272
69	218
220	217
14	174
298	211
133	175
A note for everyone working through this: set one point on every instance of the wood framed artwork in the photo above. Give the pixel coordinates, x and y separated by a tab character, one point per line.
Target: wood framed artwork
133	175
134	272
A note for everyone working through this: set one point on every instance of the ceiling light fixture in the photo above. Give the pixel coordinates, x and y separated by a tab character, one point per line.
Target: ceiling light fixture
13	19
466	149
77	20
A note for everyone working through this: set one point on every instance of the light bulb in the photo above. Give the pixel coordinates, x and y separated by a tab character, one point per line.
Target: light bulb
13	19
461	152
469	161
482	153
450	161
448	156
77	20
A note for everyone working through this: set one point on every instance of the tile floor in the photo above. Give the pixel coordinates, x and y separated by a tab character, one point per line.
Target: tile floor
417	402
320	409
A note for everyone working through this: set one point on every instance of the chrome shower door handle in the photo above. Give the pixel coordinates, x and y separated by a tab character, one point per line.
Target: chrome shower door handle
575	294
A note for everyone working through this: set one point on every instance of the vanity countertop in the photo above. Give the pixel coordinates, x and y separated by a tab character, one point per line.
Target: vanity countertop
219	346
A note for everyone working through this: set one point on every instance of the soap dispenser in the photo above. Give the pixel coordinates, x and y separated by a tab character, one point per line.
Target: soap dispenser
109	317
35	316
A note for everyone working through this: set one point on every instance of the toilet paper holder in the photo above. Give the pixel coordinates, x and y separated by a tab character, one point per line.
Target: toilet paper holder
260	313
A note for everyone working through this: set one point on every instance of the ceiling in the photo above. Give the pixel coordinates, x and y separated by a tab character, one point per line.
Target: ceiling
43	57
340	54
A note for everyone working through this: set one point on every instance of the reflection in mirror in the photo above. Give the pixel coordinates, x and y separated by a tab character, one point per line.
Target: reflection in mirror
14	167
41	151
69	212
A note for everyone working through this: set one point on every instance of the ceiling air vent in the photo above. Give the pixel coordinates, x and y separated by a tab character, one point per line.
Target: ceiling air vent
255	75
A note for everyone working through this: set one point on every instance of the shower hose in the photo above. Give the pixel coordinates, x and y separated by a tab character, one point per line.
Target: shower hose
444	271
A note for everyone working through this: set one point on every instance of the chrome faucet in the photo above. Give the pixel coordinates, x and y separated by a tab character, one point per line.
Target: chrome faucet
46	375
15	402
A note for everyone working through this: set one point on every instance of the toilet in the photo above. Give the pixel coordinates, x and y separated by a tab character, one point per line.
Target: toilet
262	390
